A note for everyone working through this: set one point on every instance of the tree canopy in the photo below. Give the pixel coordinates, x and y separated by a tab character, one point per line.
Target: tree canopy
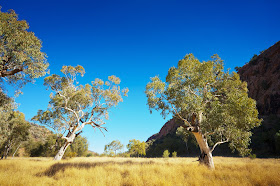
72	106
211	102
113	146
136	147
16	130
21	58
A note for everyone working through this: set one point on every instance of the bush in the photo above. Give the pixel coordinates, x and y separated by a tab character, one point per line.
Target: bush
174	154
253	156
89	154
70	154
166	154
277	142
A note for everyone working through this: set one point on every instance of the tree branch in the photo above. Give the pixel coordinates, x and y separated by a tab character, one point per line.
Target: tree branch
10	73
186	121
218	143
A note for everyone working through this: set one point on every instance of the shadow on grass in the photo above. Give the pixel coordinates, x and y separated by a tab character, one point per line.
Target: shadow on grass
85	165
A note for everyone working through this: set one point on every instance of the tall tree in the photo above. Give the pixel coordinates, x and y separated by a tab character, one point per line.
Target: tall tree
136	147
213	104
72	106
21	58
113	146
17	131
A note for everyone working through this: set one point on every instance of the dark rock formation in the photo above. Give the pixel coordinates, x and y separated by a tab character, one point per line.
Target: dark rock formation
262	75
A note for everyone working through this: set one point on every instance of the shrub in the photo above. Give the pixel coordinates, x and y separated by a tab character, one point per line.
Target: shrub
277	142
174	154
166	154
253	156
70	154
89	154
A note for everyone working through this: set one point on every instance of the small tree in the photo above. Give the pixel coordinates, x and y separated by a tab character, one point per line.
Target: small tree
213	104
166	154
136	147
21	59
113	146
73	106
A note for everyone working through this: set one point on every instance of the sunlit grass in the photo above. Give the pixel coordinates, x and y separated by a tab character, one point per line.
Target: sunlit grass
138	171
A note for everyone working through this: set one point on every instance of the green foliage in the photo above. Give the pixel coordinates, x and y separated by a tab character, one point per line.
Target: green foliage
219	100
51	145
253	60
172	142
6	110
136	148
252	156
70	154
113	146
89	154
14	129
237	68
21	59
165	154
72	106
80	146
174	154
264	140
70	100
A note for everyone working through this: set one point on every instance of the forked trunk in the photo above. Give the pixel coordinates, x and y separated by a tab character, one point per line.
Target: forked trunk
205	157
62	150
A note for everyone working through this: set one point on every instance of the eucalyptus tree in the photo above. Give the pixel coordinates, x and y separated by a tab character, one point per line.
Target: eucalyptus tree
136	147
21	58
113	146
213	104
17	130
73	106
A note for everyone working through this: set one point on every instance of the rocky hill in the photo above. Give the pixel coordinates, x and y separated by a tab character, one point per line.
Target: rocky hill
168	127
39	133
262	75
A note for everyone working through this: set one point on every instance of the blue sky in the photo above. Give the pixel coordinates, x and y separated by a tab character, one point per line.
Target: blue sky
136	40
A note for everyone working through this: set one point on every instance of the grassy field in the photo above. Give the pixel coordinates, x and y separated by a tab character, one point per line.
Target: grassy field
138	171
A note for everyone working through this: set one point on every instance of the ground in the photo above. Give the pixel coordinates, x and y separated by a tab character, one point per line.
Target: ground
138	171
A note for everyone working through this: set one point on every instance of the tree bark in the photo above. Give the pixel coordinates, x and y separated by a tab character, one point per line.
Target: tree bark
69	141
16	150
205	157
7	150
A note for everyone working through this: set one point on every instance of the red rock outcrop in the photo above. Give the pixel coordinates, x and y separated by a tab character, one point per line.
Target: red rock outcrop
262	75
168	127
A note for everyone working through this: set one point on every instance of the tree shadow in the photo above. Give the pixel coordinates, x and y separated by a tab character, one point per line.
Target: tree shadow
85	165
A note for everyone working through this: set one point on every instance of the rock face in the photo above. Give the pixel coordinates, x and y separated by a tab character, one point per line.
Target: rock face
168	127
262	75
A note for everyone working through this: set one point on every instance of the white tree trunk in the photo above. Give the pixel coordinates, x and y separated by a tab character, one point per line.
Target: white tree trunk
69	141
205	157
16	150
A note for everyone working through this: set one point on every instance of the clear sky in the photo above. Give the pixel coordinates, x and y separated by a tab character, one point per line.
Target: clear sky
136	40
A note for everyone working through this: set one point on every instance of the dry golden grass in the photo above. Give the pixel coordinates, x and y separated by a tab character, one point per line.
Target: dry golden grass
138	171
